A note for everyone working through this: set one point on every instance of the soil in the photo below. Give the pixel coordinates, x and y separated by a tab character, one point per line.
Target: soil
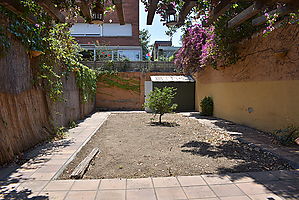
133	146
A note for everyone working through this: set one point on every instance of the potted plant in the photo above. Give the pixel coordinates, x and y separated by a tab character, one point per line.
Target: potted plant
35	53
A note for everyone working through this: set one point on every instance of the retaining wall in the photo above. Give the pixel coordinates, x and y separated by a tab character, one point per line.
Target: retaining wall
115	98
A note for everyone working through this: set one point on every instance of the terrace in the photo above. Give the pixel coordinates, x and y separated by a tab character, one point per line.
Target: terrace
77	129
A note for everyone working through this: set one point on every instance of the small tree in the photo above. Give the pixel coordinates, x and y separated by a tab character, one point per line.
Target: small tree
160	101
144	37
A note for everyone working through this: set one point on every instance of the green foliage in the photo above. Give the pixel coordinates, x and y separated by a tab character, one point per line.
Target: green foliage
225	52
287	136
160	101
60	133
294	17
207	106
144	37
227	39
51	81
86	79
61	46
72	124
171	58
61	53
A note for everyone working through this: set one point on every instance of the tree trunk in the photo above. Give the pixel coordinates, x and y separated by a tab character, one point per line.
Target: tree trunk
160	119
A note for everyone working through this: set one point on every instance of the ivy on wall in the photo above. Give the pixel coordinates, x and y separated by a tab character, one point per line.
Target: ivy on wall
113	79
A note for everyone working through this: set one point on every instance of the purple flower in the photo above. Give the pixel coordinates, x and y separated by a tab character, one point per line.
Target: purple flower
197	48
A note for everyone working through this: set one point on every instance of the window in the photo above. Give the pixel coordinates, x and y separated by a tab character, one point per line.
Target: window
83	29
132	55
117	30
105	30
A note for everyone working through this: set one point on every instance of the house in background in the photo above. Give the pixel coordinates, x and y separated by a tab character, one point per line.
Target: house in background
110	40
163	50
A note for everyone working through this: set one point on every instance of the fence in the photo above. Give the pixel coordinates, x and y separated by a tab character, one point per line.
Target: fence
27	116
134	66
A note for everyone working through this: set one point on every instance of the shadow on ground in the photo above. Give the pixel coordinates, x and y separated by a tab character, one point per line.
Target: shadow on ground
253	158
226	125
11	176
22	195
164	124
9	192
255	166
256	162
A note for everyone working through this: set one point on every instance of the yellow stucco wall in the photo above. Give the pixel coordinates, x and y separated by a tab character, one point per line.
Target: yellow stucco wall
263	81
275	104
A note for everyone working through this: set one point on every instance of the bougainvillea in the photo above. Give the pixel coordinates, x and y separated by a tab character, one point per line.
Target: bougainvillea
273	22
217	46
198	49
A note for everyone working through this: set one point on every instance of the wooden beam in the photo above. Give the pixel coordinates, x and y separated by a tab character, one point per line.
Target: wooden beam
16	7
85	9
151	11
246	14
220	9
119	9
188	5
53	11
82	167
280	11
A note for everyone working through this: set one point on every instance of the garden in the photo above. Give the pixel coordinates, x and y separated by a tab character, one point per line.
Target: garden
243	57
141	145
133	146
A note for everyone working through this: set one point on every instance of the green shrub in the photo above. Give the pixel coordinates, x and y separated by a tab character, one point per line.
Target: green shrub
160	101
207	106
72	124
287	136
60	133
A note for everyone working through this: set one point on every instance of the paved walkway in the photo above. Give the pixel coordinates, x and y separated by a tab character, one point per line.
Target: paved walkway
36	179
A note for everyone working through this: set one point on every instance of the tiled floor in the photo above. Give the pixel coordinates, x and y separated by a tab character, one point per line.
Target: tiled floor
36	179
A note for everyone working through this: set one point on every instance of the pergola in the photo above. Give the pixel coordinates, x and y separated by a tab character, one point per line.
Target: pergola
48	5
219	7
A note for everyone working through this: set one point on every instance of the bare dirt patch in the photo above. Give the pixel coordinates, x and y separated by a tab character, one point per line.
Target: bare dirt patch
131	146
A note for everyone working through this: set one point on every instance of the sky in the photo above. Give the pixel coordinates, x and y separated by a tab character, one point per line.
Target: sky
157	30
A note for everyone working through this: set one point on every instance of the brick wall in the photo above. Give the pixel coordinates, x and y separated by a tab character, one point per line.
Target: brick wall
134	66
115	98
131	15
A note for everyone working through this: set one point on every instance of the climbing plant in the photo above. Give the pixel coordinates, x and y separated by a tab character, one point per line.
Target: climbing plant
113	79
198	51
60	52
